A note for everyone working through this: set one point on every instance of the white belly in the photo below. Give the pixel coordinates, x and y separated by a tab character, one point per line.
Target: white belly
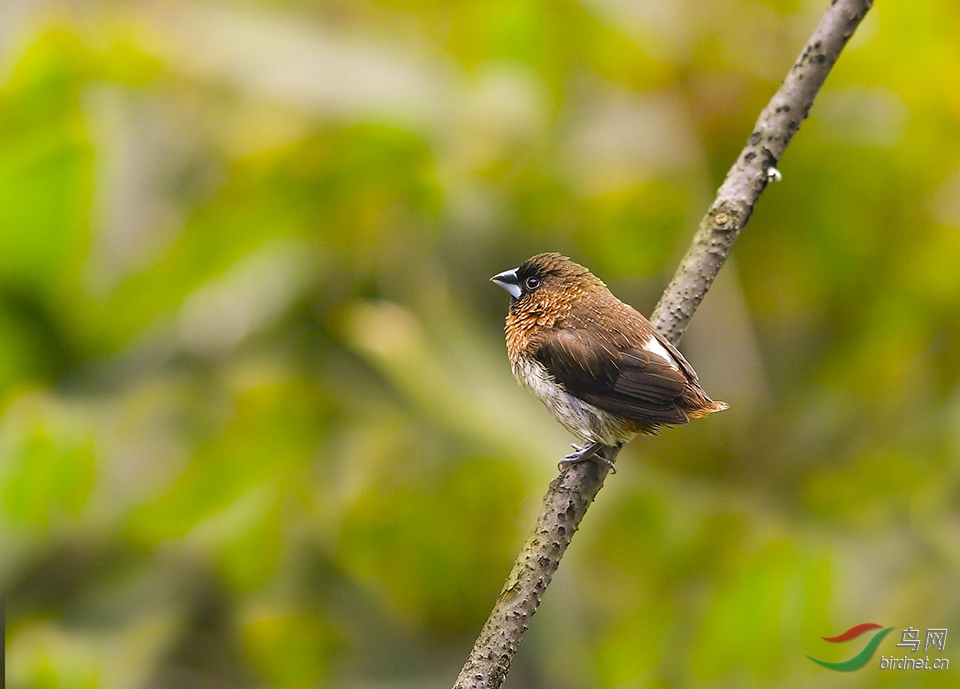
584	420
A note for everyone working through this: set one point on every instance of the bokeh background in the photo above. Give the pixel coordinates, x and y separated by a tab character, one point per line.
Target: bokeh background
258	427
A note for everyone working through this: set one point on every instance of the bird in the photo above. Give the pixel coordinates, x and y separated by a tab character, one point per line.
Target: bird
597	364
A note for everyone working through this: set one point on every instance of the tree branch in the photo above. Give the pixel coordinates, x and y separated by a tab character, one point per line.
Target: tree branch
571	493
748	177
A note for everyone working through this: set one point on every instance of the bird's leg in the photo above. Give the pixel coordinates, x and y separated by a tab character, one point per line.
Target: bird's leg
583	453
587	452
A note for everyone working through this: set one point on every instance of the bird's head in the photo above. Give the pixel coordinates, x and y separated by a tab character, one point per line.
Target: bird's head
547	284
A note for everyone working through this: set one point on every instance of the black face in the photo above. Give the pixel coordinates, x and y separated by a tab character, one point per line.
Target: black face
541	273
529	283
537	274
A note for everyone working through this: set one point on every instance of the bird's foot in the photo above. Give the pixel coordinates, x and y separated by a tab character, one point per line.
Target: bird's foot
588	452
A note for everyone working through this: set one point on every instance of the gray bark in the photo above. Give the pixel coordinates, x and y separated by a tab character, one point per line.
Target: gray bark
571	493
749	176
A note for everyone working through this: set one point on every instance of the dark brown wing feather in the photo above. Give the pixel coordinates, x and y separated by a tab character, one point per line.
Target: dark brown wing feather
623	380
675	353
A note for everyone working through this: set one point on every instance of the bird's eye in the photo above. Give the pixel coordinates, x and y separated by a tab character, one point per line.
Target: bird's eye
532	283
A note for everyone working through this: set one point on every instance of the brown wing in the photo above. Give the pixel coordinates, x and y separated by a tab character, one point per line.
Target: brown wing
626	381
675	353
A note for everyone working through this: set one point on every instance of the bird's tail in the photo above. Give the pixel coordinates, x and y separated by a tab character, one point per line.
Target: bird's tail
708	409
697	405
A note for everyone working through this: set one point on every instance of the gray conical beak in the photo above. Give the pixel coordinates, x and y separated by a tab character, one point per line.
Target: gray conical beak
508	280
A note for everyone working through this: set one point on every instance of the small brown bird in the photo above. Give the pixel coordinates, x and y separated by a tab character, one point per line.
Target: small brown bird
596	363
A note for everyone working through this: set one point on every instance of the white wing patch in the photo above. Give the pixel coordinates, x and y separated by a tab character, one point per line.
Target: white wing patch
653	346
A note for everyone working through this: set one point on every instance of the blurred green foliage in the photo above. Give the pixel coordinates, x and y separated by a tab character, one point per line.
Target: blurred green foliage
258	428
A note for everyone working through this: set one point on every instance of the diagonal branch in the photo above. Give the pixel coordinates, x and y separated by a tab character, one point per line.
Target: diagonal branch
571	493
748	177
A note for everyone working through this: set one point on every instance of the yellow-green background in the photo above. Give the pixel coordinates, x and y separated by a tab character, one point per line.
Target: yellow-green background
258	428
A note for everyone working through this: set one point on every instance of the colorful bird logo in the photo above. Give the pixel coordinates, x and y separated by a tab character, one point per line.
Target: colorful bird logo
864	656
